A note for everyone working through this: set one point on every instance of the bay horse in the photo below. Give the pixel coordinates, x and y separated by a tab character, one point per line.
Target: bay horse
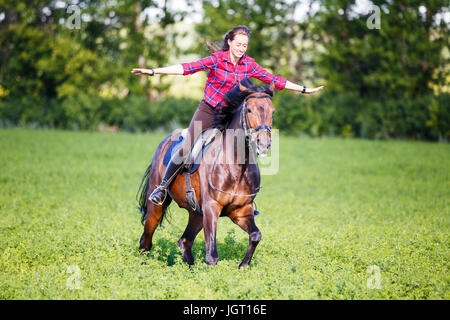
222	187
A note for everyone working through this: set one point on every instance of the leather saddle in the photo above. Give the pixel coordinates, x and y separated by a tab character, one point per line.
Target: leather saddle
200	146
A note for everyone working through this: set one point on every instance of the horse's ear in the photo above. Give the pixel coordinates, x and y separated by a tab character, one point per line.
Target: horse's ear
242	87
272	86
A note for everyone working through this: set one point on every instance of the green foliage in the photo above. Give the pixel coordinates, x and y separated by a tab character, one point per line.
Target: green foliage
166	115
347	115
42	56
336	208
381	83
84	111
425	117
339	114
404	58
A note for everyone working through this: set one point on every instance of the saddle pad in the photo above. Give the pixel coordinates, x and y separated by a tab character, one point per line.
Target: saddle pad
168	153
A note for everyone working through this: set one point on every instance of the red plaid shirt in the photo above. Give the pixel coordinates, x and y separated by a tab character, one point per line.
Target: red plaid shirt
223	75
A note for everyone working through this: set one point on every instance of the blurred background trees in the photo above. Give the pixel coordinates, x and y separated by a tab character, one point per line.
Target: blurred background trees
66	64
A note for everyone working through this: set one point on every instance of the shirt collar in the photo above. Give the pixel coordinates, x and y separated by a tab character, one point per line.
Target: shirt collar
226	57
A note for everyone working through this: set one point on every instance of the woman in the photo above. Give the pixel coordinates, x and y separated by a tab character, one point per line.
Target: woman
226	67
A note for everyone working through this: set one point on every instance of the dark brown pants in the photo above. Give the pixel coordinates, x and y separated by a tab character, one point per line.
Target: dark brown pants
202	120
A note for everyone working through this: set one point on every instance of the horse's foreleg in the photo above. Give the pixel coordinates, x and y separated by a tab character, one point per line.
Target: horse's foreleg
245	219
211	213
153	216
186	241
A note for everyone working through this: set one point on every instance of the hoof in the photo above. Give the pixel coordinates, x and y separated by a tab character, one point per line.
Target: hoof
187	254
212	261
143	246
188	258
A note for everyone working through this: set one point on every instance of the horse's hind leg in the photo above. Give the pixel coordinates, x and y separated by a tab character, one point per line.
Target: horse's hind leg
153	216
245	219
186	241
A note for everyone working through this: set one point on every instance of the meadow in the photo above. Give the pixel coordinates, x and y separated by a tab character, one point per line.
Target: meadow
342	219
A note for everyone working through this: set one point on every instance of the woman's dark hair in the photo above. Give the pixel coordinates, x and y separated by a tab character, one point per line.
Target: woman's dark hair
214	47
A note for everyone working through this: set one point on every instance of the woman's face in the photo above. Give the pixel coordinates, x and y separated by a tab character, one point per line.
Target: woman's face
239	45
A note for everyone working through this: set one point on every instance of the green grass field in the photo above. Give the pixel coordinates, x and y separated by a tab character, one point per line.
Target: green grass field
342	219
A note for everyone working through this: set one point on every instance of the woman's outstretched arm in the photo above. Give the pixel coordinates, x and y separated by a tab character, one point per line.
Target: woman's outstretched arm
302	89
181	69
280	82
175	69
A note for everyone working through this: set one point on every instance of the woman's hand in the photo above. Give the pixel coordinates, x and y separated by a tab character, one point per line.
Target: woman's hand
302	89
312	90
145	72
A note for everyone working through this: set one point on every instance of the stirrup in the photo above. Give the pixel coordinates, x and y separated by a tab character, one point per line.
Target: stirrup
162	189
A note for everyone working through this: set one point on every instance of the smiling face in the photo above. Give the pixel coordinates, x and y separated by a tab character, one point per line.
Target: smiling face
239	45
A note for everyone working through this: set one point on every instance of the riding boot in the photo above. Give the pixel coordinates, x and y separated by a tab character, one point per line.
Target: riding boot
159	194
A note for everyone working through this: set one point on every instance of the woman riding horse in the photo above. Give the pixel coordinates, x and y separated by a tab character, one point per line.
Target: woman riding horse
226	68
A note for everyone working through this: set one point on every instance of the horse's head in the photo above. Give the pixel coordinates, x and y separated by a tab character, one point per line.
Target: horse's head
257	113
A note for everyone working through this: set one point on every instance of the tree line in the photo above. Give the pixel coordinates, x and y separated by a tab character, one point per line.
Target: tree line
384	64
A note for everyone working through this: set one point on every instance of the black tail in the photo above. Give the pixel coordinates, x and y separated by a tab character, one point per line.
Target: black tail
142	195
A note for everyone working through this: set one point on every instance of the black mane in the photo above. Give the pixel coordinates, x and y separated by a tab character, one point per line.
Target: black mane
235	96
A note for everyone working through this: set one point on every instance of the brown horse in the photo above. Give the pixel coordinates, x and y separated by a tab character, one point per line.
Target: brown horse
227	179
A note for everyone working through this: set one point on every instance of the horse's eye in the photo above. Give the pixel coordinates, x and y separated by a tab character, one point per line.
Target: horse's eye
249	110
